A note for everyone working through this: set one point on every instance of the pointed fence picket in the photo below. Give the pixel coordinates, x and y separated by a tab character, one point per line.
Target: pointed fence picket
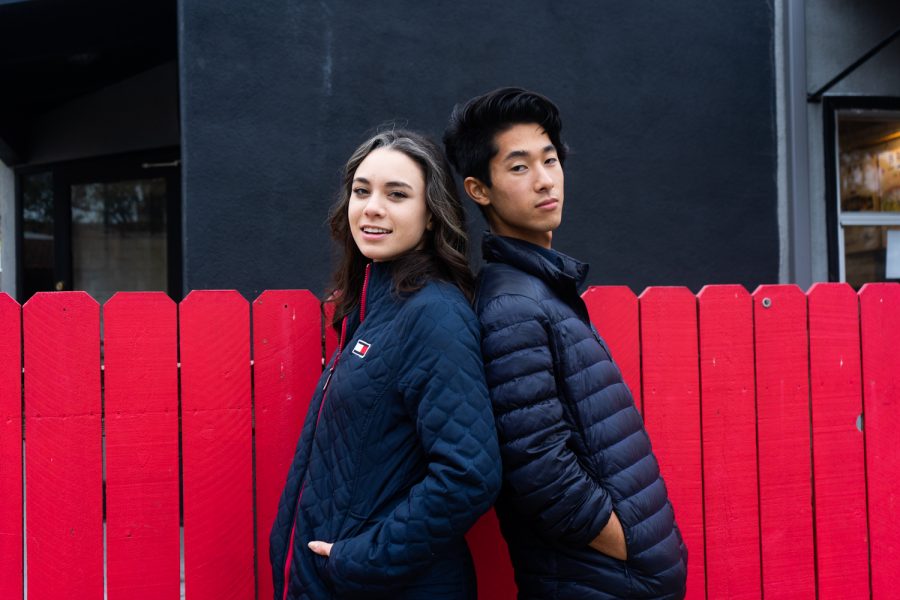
773	415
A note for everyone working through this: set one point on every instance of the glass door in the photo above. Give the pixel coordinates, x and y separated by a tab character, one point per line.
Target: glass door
102	226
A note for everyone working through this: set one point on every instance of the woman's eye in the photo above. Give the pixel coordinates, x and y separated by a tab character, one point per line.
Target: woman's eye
397	195
360	191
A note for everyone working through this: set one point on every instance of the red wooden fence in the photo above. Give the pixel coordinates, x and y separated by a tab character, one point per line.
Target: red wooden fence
774	417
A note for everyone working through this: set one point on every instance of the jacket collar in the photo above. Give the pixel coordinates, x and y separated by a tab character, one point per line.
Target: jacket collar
554	268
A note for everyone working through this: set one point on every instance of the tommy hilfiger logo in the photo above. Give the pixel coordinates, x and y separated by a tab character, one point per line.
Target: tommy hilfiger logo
361	348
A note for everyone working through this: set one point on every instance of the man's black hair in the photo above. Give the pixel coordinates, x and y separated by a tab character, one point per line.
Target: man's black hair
469	139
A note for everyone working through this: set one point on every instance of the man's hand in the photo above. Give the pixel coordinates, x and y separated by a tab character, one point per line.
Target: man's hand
324	548
610	540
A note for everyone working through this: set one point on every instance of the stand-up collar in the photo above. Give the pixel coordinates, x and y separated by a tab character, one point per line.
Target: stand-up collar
554	268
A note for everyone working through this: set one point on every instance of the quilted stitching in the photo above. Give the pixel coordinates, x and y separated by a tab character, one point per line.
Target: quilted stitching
572	442
405	456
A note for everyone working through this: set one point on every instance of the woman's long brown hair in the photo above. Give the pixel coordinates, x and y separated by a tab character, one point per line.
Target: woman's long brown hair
444	255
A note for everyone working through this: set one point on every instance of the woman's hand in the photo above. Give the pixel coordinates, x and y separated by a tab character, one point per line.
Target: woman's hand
321	548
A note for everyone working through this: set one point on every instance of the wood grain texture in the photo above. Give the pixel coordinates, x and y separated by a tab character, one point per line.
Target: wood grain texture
880	331
728	407
838	463
287	350
11	582
785	460
614	312
671	397
63	453
217	446
141	409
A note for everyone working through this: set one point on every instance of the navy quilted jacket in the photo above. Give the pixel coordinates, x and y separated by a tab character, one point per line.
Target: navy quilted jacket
573	444
400	458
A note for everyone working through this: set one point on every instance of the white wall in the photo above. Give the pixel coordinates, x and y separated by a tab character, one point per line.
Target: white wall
7	231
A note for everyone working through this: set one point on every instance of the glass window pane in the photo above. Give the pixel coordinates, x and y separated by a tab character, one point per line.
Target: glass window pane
869	161
866	253
37	233
119	237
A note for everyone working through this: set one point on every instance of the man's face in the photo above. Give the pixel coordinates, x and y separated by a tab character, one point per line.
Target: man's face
526	196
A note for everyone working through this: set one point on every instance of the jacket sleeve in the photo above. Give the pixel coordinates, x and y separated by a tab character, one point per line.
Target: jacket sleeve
443	388
545	482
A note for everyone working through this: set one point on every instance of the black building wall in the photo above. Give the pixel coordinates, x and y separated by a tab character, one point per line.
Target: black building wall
668	110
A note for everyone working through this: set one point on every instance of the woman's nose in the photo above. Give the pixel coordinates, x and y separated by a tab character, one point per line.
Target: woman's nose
374	206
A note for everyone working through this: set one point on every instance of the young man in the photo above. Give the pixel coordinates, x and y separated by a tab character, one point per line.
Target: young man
583	507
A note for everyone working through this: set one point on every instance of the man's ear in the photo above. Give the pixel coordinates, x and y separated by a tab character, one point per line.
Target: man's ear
477	191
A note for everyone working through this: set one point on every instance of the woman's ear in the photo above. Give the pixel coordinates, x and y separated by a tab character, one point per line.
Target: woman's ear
477	191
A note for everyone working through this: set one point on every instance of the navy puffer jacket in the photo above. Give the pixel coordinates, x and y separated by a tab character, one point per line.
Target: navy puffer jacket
398	461
573	444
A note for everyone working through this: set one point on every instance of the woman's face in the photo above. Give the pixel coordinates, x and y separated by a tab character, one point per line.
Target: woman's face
387	210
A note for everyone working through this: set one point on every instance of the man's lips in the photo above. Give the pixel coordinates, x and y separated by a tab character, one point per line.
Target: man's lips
548	204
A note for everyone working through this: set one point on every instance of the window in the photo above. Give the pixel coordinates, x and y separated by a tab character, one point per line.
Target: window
868	195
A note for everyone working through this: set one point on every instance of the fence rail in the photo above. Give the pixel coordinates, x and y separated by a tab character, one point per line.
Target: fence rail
775	416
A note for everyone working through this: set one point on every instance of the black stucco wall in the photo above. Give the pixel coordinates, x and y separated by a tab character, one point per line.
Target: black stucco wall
668	109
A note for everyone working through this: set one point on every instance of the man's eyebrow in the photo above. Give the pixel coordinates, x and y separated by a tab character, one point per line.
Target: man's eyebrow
523	153
516	154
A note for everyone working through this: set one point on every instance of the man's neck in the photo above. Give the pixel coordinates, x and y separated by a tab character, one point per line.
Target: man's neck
542	239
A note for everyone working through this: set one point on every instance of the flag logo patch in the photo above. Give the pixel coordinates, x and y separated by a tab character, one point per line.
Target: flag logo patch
361	348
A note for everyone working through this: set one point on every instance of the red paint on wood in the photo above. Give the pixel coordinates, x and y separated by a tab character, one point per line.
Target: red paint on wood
838	470
614	312
880	328
785	461
63	454
11	583
491	555
141	408
287	351
672	411
216	446
728	408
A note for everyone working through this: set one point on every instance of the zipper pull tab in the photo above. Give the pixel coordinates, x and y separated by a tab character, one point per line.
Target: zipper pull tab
328	379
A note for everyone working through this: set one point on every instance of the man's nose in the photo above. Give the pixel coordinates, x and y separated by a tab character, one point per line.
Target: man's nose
543	180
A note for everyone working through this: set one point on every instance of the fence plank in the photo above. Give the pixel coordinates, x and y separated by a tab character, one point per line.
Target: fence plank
11	584
287	350
880	329
141	408
63	453
785	467
614	312
728	409
672	411
838	469
491	556
216	446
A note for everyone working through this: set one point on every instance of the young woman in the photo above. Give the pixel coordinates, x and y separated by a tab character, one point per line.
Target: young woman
398	456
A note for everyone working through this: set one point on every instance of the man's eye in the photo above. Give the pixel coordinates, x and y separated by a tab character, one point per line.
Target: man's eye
551	161
518	168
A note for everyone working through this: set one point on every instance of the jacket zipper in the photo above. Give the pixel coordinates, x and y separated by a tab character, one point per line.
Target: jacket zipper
341	339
